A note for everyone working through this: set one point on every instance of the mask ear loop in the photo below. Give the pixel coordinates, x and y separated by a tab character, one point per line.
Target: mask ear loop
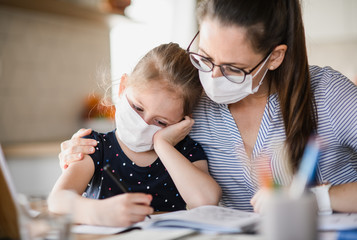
116	97
261	80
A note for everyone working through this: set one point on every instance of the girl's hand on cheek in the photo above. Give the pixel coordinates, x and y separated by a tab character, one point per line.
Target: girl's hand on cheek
173	134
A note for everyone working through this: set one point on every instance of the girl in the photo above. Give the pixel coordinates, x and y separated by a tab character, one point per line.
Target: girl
163	168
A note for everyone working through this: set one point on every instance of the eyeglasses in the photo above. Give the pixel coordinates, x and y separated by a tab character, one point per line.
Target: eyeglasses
228	71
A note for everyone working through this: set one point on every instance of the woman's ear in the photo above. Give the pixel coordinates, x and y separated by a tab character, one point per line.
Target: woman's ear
122	84
277	57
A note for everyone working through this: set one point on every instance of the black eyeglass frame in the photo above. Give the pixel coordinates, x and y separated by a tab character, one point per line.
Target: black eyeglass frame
221	65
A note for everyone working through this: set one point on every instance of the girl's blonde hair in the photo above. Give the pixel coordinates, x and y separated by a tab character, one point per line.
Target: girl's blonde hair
170	65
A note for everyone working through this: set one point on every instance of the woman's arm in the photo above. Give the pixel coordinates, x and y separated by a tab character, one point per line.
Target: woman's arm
192	180
122	210
344	197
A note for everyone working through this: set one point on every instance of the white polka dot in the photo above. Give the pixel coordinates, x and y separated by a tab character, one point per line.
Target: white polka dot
130	174
148	187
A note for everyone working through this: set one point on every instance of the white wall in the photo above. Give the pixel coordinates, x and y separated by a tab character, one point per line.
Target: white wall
34	176
331	33
147	25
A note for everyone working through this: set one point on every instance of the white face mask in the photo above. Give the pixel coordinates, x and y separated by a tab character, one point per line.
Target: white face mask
221	90
132	130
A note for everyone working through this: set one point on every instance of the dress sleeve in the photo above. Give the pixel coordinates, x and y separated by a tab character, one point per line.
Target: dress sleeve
341	105
97	155
93	189
191	149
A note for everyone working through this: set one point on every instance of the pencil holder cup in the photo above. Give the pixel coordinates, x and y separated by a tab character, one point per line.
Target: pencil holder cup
286	218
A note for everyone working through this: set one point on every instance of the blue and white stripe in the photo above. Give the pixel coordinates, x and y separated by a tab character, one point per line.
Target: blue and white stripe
216	131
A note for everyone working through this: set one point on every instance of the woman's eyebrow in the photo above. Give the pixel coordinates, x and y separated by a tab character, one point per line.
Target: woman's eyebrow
234	64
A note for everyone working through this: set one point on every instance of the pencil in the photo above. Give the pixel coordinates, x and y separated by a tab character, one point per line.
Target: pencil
121	185
307	168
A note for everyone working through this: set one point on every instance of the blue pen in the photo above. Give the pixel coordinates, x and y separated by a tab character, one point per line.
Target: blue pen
306	170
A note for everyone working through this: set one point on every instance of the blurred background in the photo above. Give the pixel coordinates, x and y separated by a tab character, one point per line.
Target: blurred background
55	55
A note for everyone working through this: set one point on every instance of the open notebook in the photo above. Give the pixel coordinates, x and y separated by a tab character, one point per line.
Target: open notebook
9	224
206	219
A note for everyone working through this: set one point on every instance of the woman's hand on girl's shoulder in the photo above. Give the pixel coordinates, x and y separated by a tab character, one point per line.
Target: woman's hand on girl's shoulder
175	133
74	149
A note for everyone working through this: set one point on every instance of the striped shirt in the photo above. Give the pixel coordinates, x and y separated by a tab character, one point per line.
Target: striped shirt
216	131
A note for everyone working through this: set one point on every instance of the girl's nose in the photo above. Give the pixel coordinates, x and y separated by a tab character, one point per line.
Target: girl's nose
147	118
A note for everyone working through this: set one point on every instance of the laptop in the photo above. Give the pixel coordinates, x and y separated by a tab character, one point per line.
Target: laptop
9	209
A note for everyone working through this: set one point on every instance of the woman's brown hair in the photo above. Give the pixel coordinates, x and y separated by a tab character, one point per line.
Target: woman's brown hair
270	23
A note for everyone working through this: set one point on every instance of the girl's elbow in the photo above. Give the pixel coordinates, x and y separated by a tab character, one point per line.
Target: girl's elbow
60	202
51	204
216	197
212	198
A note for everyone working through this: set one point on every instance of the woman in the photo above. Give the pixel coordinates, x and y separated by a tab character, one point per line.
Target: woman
263	103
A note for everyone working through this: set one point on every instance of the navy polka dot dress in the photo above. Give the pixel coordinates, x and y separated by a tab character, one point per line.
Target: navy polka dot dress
153	179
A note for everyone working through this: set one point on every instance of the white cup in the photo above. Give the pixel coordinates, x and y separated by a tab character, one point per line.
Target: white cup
290	219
